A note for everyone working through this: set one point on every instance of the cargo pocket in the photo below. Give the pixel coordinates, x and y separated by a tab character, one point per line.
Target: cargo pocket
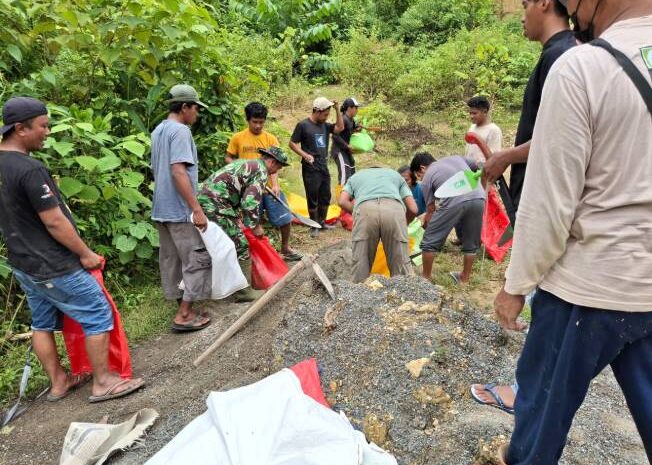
200	259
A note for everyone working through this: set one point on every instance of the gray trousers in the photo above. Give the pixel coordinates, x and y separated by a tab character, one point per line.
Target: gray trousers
373	221
183	256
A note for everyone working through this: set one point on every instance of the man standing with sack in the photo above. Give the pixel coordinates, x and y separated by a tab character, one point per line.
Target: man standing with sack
231	198
583	234
342	152
310	141
49	259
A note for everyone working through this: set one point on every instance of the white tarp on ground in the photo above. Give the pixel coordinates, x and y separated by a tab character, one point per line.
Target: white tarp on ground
271	422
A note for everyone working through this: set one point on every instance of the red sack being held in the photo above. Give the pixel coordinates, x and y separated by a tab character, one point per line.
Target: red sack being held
346	219
494	225
267	266
73	336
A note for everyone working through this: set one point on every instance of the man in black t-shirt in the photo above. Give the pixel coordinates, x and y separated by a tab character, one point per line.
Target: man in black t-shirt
48	258
546	22
341	151
310	141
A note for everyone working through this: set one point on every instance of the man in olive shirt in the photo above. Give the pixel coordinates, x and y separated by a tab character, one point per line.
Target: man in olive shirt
383	208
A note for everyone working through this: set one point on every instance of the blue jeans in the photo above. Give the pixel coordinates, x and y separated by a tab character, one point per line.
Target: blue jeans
77	295
567	346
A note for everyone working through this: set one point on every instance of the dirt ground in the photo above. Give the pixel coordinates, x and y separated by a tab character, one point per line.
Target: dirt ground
363	358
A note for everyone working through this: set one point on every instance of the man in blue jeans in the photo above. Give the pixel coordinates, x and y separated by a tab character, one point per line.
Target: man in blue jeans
48	257
583	233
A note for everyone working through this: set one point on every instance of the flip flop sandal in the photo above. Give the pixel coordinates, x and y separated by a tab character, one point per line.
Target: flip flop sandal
491	389
109	394
78	381
292	256
190	326
456	276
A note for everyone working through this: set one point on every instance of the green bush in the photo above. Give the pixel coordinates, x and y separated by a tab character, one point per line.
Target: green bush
432	22
380	114
369	64
492	60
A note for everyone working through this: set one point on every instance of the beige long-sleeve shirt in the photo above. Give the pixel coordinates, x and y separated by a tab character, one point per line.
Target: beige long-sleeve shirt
584	225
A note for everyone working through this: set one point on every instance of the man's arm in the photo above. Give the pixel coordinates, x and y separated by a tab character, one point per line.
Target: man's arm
250	204
499	161
62	230
346	202
411	208
339	121
296	148
184	188
430	210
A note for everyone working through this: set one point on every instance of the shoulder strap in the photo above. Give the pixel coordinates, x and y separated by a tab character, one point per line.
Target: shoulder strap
630	69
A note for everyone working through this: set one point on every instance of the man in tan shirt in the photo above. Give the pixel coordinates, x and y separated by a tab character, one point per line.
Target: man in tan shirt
584	235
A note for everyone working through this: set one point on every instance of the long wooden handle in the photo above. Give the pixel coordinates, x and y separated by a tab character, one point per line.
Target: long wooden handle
255	308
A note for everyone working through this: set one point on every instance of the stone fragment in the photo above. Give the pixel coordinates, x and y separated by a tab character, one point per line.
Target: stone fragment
415	367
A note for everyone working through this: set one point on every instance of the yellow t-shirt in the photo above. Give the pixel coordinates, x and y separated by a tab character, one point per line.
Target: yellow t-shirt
245	145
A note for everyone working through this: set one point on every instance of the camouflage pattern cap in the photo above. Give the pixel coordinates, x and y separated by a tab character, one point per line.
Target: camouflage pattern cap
277	154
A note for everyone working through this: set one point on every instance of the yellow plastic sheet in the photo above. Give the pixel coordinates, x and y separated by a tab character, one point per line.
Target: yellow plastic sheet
299	205
380	263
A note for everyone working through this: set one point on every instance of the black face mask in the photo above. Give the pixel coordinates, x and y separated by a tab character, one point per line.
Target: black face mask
587	35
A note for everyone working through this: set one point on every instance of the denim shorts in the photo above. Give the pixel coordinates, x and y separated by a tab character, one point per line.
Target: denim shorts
77	295
277	214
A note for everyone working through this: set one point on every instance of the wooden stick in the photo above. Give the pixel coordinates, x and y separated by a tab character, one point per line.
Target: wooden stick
257	306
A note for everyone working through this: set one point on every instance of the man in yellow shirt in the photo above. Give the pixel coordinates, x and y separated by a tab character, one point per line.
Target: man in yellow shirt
245	145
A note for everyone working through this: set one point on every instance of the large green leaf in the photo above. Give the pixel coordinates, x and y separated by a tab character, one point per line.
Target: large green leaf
86	127
108	163
59	128
126	257
134	147
70	186
5	269
144	250
139	230
15	52
132	179
88	163
63	148
126	243
89	194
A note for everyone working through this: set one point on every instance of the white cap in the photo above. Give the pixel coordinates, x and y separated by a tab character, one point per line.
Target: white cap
321	104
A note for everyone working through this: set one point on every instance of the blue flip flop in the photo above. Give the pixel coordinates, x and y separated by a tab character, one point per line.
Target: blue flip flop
491	389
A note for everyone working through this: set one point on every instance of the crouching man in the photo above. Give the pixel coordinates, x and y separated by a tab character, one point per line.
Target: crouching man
231	198
383	208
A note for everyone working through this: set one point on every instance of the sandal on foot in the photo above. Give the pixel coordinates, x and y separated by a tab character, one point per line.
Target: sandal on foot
191	325
77	382
493	392
134	385
292	256
456	276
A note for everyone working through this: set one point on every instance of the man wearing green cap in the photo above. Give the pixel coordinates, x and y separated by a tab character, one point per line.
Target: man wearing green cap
231	198
176	212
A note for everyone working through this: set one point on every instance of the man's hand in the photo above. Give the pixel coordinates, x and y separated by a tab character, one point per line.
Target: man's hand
336	105
228	159
258	231
495	167
91	261
308	158
508	307
199	219
425	219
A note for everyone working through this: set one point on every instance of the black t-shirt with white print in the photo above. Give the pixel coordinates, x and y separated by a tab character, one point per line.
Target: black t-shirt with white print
26	188
314	140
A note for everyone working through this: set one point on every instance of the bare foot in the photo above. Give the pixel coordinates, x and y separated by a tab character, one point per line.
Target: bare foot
506	393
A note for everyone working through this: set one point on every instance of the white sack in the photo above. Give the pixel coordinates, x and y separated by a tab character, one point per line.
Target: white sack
227	277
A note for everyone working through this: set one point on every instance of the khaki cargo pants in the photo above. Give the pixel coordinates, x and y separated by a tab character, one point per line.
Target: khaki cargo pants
376	220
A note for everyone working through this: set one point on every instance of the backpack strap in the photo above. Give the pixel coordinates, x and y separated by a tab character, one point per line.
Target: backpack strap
635	74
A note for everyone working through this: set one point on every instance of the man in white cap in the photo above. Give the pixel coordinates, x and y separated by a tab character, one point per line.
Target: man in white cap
182	254
310	141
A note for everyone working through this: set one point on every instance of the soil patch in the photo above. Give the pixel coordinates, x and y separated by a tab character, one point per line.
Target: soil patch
412	135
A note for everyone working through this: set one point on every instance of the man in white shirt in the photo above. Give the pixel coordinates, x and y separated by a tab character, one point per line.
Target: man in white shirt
482	126
584	235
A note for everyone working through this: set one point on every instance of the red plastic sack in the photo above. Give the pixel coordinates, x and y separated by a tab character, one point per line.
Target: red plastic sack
308	375
267	266
346	219
494	226
73	336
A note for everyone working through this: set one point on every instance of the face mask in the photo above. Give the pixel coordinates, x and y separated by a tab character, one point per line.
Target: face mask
587	35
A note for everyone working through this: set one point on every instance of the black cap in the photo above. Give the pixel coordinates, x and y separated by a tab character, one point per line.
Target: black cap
19	110
350	102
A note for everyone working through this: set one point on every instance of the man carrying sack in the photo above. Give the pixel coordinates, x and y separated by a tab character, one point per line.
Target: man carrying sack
49	259
231	198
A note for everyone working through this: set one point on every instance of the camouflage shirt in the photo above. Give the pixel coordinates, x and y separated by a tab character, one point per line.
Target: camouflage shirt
235	190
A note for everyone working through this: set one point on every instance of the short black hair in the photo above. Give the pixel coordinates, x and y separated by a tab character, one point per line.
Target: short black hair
176	107
255	110
406	168
561	10
480	102
421	159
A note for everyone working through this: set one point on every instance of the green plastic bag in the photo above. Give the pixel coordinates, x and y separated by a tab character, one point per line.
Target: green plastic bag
361	142
415	233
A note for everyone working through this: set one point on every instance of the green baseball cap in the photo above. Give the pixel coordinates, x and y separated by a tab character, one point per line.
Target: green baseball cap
277	154
185	93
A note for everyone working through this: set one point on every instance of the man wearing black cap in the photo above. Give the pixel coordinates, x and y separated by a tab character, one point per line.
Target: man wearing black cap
341	151
48	258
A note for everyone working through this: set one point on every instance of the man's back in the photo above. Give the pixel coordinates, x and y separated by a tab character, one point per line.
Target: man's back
377	183
590	158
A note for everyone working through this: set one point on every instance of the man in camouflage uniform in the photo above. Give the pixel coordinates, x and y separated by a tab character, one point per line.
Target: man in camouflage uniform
231	198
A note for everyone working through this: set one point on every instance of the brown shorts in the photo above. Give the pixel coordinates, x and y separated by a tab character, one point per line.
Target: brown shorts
183	256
